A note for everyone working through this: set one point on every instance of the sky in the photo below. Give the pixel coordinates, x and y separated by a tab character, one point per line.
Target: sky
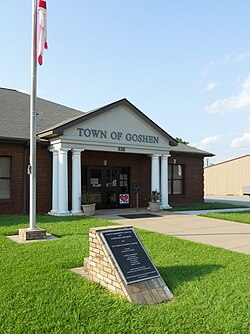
184	63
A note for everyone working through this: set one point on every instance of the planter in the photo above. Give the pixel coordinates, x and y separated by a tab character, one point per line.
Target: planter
89	209
154	206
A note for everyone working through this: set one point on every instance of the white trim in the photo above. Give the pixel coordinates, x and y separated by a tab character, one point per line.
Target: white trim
164	182
63	182
76	182
55	164
102	146
155	173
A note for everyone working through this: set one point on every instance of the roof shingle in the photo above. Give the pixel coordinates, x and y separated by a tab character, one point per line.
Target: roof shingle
15	115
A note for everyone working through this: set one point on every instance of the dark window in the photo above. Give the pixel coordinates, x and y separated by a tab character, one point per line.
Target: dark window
175	179
4	177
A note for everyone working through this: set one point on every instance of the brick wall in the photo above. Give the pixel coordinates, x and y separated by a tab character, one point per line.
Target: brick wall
44	180
194	179
140	170
19	202
17	154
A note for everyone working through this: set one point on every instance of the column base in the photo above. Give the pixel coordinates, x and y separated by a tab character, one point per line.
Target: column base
166	207
52	212
57	213
77	213
29	234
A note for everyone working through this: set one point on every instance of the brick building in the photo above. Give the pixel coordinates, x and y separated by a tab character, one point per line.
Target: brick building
104	152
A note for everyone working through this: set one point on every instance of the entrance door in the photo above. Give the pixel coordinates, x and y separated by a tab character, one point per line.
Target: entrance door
109	185
110	188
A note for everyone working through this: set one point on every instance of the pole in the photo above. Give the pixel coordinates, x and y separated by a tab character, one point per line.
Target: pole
32	167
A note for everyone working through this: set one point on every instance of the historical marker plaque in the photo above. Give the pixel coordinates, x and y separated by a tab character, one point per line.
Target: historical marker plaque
130	255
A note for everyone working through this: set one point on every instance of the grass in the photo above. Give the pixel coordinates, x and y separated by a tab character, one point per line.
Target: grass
39	294
206	206
241	217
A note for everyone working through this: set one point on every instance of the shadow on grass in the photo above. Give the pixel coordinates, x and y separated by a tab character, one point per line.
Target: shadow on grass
176	275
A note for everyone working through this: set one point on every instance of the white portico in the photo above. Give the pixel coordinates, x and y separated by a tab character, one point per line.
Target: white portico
119	128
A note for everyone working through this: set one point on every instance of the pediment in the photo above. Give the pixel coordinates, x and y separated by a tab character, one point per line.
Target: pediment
120	125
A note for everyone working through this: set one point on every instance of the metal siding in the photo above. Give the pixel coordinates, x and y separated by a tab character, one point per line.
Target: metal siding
227	178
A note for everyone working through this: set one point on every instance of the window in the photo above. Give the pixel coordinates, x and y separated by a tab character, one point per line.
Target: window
175	179
4	177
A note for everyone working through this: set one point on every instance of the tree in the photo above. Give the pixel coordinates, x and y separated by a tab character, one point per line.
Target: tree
180	140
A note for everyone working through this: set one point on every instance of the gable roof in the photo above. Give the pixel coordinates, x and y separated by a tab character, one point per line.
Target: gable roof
58	130
15	114
226	162
15	118
186	149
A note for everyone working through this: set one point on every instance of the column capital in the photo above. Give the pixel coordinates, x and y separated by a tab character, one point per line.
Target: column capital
54	151
155	156
63	150
166	156
77	150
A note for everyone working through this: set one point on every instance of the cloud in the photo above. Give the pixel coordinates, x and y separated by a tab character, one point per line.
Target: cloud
243	141
211	86
241	101
210	140
236	56
243	55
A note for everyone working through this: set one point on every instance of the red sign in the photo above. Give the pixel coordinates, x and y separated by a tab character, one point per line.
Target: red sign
124	198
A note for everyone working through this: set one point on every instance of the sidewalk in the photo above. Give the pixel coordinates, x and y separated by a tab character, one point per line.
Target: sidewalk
216	232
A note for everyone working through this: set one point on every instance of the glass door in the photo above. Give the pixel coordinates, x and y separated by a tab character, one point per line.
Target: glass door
109	185
124	194
95	184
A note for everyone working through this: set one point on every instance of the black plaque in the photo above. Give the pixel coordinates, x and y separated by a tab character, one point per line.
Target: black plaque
130	255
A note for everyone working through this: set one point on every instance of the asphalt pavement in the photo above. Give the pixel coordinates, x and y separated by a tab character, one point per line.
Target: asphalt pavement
237	200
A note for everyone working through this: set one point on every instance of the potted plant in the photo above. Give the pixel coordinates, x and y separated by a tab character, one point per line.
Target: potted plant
88	204
155	204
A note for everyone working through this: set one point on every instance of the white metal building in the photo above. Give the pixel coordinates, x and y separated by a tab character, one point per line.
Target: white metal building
228	178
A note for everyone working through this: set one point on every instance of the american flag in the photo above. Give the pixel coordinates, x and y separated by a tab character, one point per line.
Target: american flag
42	32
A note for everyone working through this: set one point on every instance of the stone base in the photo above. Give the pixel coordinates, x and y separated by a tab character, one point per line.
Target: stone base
152	291
36	234
166	207
59	214
100	267
77	213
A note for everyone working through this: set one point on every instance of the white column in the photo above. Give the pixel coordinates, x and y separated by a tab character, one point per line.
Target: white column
63	182
164	182
155	173
55	164
76	182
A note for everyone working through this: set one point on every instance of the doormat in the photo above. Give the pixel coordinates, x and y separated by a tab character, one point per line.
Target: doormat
139	215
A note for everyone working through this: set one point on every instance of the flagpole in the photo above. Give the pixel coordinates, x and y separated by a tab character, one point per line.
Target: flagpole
33	95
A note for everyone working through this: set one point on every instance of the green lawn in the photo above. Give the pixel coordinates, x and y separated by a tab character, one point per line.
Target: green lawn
39	294
205	206
241	217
